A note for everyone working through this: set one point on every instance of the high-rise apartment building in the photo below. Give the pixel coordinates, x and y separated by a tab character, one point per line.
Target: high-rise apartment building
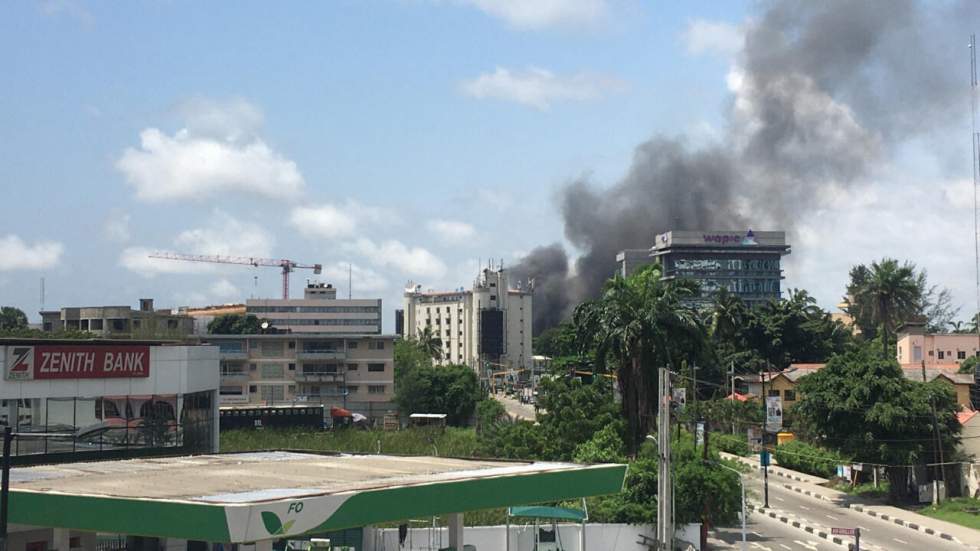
319	311
487	327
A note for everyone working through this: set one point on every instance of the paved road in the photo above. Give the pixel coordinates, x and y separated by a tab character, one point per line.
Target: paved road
876	534
768	534
515	408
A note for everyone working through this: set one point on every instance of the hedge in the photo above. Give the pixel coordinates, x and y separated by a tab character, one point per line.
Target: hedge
809	459
731	443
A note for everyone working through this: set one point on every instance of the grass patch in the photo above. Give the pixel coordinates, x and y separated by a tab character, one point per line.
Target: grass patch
451	442
964	511
866	489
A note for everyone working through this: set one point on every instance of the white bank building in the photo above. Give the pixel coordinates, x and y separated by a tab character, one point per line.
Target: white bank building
71	399
487	327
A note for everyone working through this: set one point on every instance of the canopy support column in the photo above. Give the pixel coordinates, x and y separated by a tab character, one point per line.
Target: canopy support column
60	539
455	521
263	545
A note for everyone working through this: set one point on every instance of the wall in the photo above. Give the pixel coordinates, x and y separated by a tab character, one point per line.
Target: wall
598	537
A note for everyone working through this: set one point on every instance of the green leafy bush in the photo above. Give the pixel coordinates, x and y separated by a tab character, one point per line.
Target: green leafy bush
809	459
732	443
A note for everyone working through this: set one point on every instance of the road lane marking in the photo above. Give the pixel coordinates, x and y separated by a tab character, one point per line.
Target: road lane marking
903	542
804	507
760	546
831	517
758	535
784	546
777	498
807	544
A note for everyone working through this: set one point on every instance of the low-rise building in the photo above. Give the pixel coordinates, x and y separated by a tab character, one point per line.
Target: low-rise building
356	372
319	311
108	398
204	315
916	345
783	383
120	322
487	327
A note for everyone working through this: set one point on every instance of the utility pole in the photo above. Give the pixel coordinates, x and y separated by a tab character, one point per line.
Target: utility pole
764	457
665	513
938	453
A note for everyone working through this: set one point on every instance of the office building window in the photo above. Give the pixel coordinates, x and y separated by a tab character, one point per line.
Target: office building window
253	389
942	355
351	389
292	345
272	393
789	395
961	354
376	389
292	367
376	345
376	367
774	393
351	367
352	345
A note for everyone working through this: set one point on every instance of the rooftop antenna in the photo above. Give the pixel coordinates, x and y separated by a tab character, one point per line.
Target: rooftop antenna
42	293
350	279
975	161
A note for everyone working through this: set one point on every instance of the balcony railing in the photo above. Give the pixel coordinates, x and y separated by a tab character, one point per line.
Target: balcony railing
321	353
317	376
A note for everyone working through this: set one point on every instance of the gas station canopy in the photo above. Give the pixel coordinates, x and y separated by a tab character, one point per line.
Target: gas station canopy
246	497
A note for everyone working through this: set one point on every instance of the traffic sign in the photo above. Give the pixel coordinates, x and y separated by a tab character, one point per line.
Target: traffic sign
843	531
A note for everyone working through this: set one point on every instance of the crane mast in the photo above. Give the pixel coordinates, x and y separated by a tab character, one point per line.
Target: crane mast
284	264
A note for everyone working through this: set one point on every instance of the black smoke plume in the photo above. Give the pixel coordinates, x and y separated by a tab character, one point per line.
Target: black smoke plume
823	94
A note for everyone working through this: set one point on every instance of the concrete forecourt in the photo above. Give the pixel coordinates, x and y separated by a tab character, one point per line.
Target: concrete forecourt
251	497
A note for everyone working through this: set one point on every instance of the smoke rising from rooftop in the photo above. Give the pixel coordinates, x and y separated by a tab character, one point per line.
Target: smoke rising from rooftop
823	93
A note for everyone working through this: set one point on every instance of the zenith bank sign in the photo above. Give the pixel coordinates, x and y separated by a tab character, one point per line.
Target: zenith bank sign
32	363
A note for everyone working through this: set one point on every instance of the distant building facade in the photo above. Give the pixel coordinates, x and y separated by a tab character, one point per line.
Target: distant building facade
120	321
487	327
915	345
356	372
319	311
204	315
746	263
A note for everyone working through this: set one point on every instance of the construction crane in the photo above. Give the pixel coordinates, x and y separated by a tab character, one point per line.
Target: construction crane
285	264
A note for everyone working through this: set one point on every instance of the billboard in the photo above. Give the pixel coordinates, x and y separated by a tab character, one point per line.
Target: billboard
45	362
774	414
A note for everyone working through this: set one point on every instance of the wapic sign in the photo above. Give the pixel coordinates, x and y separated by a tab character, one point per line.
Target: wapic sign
30	363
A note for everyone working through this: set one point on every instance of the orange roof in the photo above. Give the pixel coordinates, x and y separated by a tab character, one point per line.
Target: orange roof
739	397
964	416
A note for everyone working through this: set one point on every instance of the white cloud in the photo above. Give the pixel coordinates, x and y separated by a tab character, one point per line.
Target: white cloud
539	88
224	289
226	235
116	226
330	221
959	194
137	260
16	254
414	261
537	14
364	280
217	151
324	221
451	231
232	120
713	37
71	8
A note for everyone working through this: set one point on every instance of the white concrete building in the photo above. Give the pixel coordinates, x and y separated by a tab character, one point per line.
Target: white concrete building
486	327
319	311
108	397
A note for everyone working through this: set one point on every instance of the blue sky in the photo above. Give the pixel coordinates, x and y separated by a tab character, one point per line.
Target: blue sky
409	138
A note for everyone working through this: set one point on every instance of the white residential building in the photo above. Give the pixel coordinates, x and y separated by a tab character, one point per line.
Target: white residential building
487	327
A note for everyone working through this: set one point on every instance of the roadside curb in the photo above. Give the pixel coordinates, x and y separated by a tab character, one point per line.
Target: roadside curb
815	530
911	525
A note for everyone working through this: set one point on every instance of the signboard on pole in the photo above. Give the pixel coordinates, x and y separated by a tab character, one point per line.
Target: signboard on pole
842	531
41	362
755	439
680	398
699	434
774	414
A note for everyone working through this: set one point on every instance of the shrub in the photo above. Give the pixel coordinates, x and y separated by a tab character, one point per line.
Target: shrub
731	443
809	459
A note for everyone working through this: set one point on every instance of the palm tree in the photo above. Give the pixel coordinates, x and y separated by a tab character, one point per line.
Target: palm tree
638	325
430	343
892	294
726	315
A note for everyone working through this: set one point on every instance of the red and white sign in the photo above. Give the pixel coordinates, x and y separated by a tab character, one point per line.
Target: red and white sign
41	362
842	531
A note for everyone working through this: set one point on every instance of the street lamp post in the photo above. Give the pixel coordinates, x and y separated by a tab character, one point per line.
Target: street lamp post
741	484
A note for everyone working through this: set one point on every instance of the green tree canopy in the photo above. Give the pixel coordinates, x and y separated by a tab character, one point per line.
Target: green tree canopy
12	318
862	405
453	390
235	324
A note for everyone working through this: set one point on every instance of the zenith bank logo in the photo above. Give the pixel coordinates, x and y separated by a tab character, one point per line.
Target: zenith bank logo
20	366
